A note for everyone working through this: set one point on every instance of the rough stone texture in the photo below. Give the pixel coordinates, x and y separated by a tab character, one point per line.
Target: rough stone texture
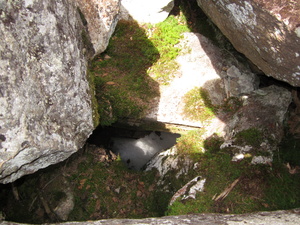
144	11
265	110
202	65
266	32
45	102
189	190
239	82
288	217
100	17
169	164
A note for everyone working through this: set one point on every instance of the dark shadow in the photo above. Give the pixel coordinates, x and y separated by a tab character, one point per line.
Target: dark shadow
123	87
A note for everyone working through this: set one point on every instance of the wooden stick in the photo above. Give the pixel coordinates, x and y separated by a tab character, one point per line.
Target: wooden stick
227	190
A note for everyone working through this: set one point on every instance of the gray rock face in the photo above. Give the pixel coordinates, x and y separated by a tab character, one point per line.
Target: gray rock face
100	17
266	32
45	102
263	110
144	11
239	82
169	164
288	217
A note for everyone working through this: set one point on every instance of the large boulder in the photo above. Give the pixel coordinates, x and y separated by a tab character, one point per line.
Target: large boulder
100	17
258	126
266	32
45	99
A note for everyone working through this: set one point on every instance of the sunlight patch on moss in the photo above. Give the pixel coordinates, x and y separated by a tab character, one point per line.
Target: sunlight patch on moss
165	36
198	106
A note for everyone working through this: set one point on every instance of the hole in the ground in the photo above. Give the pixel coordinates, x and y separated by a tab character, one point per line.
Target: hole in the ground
135	147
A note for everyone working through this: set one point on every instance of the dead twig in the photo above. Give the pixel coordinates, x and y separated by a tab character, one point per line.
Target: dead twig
46	206
227	190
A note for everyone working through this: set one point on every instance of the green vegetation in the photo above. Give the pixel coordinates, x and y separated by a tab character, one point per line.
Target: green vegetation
191	143
215	165
123	87
198	106
110	190
283	188
259	187
252	136
289	151
165	36
128	73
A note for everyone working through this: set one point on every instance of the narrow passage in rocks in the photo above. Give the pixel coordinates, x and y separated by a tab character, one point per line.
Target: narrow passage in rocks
106	179
135	147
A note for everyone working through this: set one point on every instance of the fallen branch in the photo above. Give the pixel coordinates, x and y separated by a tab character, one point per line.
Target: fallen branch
227	190
46	206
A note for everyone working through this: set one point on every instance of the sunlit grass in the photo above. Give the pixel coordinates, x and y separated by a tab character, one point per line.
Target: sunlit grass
165	36
198	106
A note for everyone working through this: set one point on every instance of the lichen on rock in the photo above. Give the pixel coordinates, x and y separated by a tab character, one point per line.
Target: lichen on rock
266	32
45	98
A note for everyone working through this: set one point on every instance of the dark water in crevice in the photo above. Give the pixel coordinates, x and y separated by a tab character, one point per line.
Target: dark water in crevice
135	147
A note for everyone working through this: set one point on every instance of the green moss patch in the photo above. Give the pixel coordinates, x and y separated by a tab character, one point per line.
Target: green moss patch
198	106
258	187
165	36
112	191
252	136
128	73
123	87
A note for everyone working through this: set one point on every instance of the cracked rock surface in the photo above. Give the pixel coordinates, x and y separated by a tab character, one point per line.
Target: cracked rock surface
45	102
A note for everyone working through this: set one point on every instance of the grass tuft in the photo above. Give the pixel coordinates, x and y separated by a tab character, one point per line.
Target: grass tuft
165	36
198	106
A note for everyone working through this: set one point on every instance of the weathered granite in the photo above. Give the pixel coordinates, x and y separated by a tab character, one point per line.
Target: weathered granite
287	217
266	32
144	11
45	102
239	81
100	17
265	111
169	164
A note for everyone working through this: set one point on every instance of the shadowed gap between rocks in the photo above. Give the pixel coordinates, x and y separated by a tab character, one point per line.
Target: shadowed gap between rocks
103	137
135	147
